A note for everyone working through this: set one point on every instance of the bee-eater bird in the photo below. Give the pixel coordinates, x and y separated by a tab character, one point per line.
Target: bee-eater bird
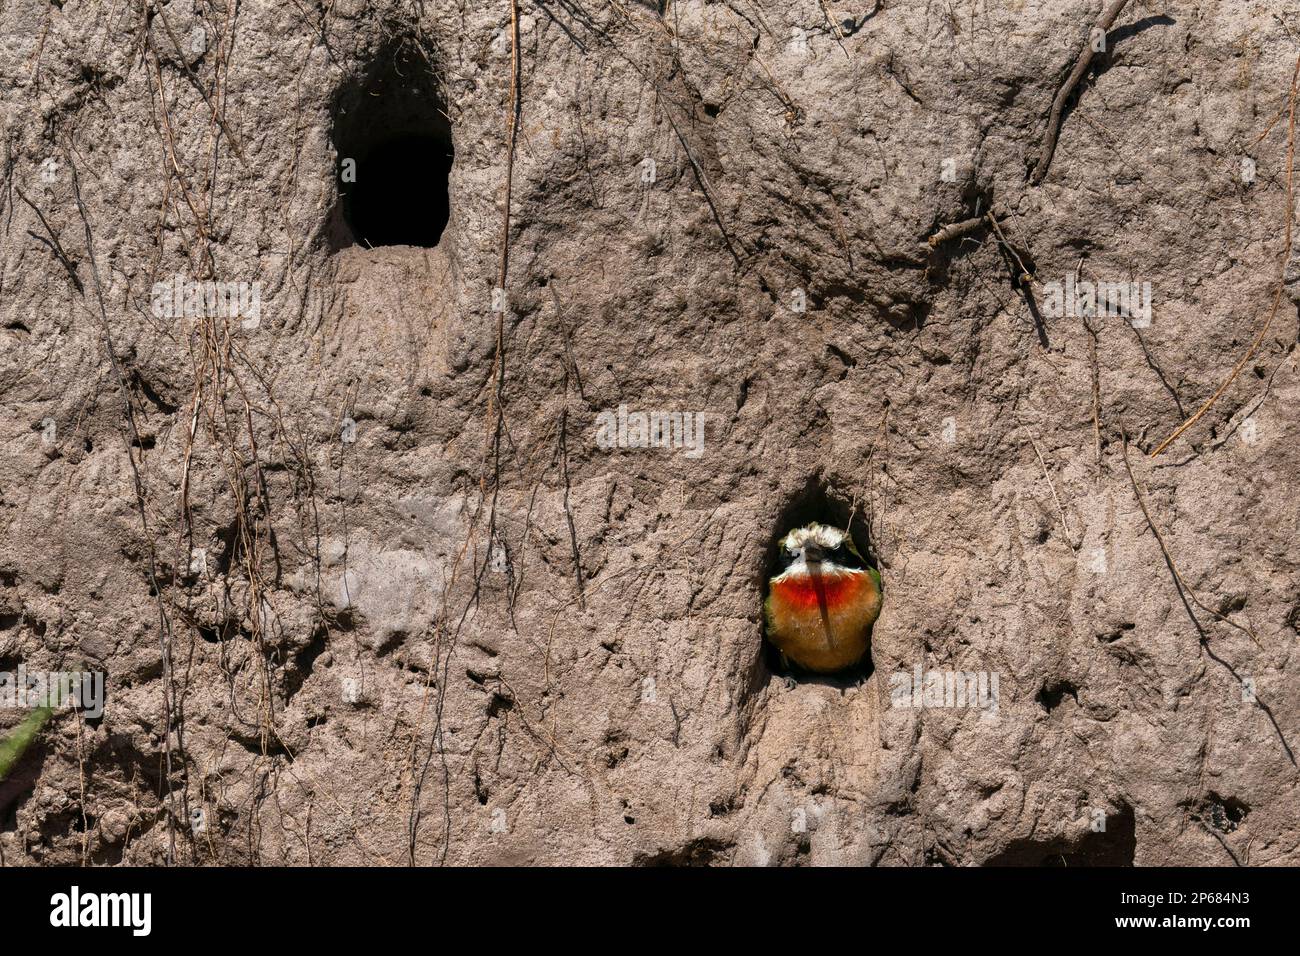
820	608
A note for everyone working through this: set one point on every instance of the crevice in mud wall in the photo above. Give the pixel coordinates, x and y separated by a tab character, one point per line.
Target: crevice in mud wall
393	143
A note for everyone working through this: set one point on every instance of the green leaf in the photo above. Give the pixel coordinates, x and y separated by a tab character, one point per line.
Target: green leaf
15	745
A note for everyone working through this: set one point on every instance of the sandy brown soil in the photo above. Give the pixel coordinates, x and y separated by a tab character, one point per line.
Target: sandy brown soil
368	584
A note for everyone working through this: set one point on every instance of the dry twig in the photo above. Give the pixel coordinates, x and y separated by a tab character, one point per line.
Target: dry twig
1281	282
956	230
1060	511
1169	559
1108	16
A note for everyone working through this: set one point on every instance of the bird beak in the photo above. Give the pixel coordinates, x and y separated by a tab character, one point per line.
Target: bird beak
813	557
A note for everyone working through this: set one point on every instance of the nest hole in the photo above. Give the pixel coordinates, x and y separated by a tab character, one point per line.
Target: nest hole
1113	845
394	145
817	501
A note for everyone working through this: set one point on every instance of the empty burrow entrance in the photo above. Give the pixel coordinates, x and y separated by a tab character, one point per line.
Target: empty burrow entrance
1114	844
392	137
816	502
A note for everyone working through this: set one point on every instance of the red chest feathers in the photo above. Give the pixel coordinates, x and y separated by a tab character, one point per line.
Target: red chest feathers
808	591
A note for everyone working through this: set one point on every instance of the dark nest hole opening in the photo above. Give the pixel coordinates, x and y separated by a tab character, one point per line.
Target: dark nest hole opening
816	502
1115	845
393	140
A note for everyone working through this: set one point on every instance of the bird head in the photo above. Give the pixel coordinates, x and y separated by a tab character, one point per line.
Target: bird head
820	547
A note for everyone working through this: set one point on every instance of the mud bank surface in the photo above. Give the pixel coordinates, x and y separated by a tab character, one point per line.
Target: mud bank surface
365	584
